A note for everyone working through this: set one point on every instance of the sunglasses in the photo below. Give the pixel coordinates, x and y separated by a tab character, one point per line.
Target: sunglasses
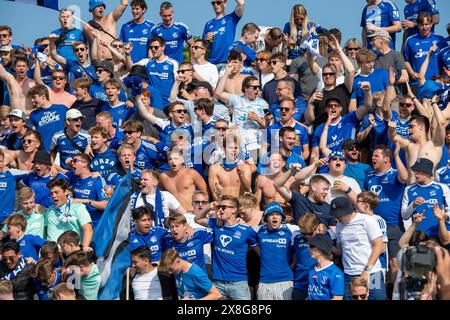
200	202
359	296
45	45
58	78
254	87
223	207
351	148
326	74
198	47
118	46
221	128
272	63
79	49
352	49
76	119
154	47
216	3
337	158
99	70
285	109
28	141
4	35
129	132
260	59
335	105
183	71
10	259
403	104
180	111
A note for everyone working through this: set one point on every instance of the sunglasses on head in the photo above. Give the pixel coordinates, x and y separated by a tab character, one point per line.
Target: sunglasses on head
58	78
154	47
184	71
179	111
359	296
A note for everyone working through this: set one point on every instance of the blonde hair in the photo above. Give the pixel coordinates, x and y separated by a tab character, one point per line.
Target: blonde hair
298	8
248	200
359	282
25	193
308	223
4	111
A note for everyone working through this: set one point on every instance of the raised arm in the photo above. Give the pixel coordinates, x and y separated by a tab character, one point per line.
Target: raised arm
348	65
389	96
240	7
402	171
419	106
280	182
119	10
324	137
364	109
309	113
361	136
37	71
306	172
201	217
394	137
406	237
424	66
441	122
143	112
53	53
220	89
443	233
313	66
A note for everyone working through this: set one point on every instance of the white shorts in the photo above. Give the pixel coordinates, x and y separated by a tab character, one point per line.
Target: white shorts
275	291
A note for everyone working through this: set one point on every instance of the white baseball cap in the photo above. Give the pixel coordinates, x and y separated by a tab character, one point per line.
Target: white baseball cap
74	114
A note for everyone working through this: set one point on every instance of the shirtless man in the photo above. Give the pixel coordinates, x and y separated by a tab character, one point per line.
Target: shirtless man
108	23
23	159
231	80
19	85
229	177
58	94
181	181
420	145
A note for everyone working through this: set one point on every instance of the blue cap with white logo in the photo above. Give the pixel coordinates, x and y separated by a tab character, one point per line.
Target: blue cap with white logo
274	207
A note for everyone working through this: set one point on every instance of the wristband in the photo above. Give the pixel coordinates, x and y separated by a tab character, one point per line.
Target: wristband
348	190
292	171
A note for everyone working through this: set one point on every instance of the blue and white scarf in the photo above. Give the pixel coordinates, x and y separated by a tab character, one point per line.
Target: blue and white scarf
16	271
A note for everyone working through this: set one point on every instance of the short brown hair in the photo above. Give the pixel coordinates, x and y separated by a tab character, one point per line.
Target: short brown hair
17	220
205	104
424	16
232	199
112	82
98	130
368	197
248	199
6	287
319	178
177	219
308	223
78	258
365	55
43	270
39	90
173	104
134	125
69	237
62	289
168	258
84	83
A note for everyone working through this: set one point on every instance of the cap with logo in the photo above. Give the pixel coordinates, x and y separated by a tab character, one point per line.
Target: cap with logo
273	207
424	165
74	114
18	114
341	206
336	154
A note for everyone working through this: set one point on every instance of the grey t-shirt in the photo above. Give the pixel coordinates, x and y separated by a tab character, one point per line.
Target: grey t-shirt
149	129
308	82
391	59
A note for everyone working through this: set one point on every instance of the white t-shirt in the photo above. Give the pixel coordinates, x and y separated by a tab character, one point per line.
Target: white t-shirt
334	193
209	72
249	129
147	286
169	202
356	239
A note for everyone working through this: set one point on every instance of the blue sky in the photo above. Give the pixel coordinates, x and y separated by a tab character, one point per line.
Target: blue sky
30	22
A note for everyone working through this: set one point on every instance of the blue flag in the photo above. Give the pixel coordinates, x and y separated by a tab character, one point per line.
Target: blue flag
51	4
111	240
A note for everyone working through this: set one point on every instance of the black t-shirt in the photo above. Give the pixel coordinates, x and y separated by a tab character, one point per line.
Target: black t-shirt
301	205
89	109
339	92
270	90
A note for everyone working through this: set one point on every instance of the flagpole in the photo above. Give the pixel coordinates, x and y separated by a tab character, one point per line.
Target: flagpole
83	22
127	295
91	27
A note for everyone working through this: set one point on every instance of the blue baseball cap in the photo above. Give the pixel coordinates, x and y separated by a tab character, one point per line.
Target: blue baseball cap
336	154
95	3
273	207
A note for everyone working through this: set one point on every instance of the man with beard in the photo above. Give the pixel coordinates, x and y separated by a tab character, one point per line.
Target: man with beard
181	181
145	233
40	176
161	203
115	136
354	168
19	85
107	23
188	242
71	141
18	123
229	177
285	91
105	161
231	242
275	245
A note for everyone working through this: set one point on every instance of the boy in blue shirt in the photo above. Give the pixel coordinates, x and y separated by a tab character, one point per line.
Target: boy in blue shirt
275	243
249	35
45	279
191	281
326	280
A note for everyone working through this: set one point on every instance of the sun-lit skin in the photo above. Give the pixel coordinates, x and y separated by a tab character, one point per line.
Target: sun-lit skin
59	196
144	224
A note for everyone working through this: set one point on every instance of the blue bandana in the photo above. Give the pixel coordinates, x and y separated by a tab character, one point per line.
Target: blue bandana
229	165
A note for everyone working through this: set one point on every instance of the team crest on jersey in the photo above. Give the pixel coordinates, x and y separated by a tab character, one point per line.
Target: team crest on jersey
281	233
223	22
385	180
415	194
190	244
433	193
376	189
144	31
237	234
175	35
90	183
166	67
153	239
225	240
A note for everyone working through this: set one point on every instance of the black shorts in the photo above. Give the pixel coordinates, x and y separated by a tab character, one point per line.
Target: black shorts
394	233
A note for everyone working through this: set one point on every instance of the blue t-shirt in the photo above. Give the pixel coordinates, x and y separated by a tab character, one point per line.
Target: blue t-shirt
166	132
30	245
117	140
61	143
326	283
48	121
412	11
89	188
192	249
39	186
8	183
296	51
379	133
443	175
248	51
444	58
432	193
357	171
114	178
75	71
45	293
65	49
175	35
138	34
224	30
416	50
300	108
153	240
193	284
337	133
147	156
389	191
304	263
105	163
276	253
379	81
381	15
120	114
230	250
97	91
301	137
162	75
263	165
